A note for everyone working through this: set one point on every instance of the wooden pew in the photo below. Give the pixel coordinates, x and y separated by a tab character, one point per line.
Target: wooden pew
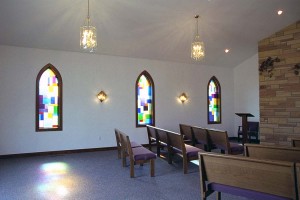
296	142
173	143
152	136
186	131
201	138
137	155
121	148
247	177
281	153
177	146
219	140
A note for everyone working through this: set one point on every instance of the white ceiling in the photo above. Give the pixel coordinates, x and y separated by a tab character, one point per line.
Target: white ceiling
149	29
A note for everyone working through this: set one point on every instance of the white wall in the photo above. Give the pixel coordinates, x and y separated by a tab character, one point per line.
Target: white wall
246	90
87	123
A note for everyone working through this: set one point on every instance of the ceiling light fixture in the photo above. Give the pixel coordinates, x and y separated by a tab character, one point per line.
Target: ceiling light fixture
197	49
88	34
227	50
279	12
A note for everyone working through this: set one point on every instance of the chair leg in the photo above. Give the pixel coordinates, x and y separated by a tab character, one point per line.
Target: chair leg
152	167
185	165
119	152
123	159
131	168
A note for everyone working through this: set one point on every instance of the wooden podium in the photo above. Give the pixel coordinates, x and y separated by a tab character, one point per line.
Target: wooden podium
244	117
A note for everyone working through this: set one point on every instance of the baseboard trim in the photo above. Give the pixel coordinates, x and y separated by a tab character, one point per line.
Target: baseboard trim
53	153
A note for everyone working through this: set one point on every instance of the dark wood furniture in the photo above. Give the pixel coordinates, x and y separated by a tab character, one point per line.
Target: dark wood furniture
201	138
253	132
244	117
137	155
247	177
173	143
219	140
122	148
178	147
196	136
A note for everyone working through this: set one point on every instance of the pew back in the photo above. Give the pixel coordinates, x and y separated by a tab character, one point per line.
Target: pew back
259	151
176	141
186	131
219	139
262	176
201	137
152	138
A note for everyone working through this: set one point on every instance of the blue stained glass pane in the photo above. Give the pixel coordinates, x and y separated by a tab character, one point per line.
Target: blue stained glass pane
41	116
149	101
52	100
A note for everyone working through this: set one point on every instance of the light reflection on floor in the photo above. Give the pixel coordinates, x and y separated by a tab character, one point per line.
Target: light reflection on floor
55	181
196	162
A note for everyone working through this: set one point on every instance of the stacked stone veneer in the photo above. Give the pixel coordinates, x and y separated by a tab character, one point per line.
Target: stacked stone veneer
280	94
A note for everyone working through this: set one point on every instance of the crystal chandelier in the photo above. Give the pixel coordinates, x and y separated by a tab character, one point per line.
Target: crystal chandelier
197	49
88	35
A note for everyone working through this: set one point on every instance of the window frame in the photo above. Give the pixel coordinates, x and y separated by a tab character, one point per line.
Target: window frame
60	99
149	78
217	83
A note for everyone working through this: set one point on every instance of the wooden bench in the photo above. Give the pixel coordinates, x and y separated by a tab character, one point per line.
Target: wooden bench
137	155
177	146
196	136
152	136
296	142
173	143
281	153
122	152
247	177
201	138
186	131
219	140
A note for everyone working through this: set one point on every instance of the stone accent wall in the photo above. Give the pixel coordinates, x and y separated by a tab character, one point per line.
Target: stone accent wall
280	94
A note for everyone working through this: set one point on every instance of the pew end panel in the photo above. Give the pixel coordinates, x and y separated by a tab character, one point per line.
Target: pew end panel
246	177
152	136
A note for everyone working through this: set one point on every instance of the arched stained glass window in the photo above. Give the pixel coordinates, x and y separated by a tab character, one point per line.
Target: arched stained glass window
48	99
214	101
144	100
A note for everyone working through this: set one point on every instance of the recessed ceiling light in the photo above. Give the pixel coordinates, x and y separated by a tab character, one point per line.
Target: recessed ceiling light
226	50
279	12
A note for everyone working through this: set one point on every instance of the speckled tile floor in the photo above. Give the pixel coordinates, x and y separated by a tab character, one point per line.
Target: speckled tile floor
95	176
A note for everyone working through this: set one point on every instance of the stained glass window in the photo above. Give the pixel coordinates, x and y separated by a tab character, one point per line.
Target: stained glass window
214	101
49	99
144	100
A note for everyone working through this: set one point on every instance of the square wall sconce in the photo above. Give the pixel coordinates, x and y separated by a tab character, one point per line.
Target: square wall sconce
102	96
183	98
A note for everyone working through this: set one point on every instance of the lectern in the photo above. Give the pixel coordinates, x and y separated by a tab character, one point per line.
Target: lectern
244	117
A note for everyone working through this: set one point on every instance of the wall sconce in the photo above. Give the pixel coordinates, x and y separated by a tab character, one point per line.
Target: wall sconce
183	97
101	96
